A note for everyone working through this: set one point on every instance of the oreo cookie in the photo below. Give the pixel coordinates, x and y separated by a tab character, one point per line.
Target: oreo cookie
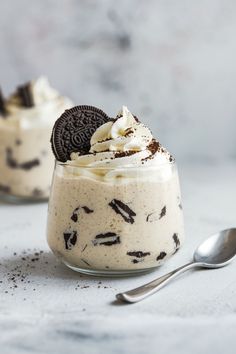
26	95
73	130
2	104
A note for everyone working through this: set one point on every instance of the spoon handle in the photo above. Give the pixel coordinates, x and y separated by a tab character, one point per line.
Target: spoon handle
140	293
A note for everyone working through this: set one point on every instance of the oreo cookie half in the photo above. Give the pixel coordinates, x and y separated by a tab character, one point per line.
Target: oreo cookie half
73	130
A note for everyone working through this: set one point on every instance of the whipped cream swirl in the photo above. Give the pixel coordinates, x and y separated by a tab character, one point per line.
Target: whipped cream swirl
48	105
122	142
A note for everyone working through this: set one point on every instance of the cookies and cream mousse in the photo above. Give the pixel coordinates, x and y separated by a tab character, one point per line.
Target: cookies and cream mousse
115	203
26	121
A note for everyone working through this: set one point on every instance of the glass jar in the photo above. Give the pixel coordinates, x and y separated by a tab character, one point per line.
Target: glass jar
26	162
118	221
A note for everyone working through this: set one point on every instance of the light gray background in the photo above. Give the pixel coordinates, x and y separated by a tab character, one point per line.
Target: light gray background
173	63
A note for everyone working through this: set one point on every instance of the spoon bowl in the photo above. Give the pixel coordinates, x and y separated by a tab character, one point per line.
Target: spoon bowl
218	250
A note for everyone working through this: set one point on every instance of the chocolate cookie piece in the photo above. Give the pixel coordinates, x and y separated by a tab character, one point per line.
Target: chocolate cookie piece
84	247
135	261
18	142
5	188
152	217
2	104
83	260
161	256
123	209
37	192
12	163
138	254
73	130
74	216
87	210
26	95
70	239
176	241
163	212
107	239
179	203
155	216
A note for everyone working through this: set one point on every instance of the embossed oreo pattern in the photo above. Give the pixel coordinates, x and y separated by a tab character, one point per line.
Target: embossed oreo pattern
73	130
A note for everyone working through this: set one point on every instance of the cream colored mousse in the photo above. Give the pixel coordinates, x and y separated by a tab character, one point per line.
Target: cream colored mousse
118	208
26	160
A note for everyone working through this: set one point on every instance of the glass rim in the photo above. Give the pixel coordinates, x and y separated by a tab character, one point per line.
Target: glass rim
117	167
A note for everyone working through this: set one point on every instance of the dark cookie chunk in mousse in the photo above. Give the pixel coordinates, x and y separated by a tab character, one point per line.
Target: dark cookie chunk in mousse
87	210
70	239
26	95
84	247
124	210
3	111
161	256
74	129
152	217
176	241
27	165
179	203
85	262
75	214
18	142
5	188
107	239
163	212
37	192
155	216
138	254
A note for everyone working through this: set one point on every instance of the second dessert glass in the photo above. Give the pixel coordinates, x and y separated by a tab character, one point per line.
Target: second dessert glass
115	221
26	159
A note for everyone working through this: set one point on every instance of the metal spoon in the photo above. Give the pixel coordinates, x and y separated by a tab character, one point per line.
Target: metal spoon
217	251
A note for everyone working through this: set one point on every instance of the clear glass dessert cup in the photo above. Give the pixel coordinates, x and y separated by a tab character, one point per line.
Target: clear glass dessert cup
115	221
26	164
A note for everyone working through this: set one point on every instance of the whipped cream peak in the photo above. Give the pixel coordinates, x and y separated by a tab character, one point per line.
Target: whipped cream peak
125	133
122	142
42	91
44	105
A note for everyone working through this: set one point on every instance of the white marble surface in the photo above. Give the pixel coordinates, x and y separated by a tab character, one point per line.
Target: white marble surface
171	62
45	313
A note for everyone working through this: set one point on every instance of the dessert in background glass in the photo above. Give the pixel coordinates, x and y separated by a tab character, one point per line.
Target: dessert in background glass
115	205
26	121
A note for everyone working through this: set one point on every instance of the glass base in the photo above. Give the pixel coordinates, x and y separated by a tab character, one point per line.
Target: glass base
16	199
109	272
